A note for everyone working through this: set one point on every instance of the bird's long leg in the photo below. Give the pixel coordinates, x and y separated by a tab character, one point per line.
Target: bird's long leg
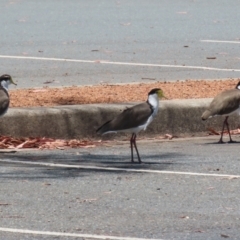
135	145
131	144
226	122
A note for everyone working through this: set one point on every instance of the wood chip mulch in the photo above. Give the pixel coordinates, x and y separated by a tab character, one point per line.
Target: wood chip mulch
47	97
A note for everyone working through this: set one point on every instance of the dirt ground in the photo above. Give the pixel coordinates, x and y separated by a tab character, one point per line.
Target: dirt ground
48	96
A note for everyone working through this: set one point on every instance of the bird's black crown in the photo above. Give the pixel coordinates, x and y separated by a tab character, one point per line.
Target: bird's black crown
238	85
155	90
5	77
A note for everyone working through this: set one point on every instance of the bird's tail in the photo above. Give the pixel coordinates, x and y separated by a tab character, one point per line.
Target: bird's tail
206	115
104	128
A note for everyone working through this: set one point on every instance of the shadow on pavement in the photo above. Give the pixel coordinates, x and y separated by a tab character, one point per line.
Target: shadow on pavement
35	172
217	143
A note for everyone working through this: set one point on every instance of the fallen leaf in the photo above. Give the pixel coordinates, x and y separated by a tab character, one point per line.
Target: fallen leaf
224	236
169	136
230	178
234	131
60	148
213	131
47	184
4	204
22	144
89	146
39	90
47	82
7	142
211	57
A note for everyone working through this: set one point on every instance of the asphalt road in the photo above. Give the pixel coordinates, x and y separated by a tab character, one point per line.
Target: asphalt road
171	202
164	32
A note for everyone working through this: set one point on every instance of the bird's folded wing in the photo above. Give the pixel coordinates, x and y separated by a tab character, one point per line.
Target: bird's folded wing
4	104
131	117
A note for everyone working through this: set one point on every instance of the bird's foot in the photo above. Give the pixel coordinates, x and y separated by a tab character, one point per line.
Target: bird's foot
231	141
220	141
139	161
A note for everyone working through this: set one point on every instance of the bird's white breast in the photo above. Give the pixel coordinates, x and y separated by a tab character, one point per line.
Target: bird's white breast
5	85
154	102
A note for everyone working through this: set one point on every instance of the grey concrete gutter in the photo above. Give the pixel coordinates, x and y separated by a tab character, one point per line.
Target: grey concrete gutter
177	117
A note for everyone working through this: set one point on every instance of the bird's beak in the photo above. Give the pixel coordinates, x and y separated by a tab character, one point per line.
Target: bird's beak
161	95
13	82
165	97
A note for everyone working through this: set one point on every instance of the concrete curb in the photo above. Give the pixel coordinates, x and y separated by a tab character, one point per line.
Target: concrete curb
177	117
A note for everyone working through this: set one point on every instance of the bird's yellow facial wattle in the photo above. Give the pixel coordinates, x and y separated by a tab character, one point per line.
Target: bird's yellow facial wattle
11	81
160	94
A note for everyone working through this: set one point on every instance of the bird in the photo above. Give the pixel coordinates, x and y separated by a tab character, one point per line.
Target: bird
226	103
134	119
5	80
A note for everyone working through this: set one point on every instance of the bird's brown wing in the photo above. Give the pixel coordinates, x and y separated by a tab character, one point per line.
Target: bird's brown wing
129	118
225	103
4	101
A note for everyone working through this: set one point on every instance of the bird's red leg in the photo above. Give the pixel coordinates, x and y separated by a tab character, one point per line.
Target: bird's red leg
231	141
224	122
135	145
131	144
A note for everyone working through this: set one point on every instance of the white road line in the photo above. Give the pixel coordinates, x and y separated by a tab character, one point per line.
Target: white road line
118	169
61	234
121	63
220	41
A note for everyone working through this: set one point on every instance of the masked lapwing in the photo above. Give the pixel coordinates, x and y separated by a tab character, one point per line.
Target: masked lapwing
5	80
225	104
134	119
